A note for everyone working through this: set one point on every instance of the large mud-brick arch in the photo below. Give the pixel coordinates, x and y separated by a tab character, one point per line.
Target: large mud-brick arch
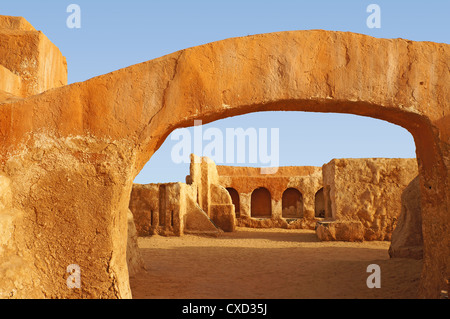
261	203
69	155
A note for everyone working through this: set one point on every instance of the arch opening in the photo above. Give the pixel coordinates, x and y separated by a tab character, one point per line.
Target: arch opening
292	203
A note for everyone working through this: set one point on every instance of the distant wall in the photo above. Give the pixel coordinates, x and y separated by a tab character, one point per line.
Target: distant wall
367	191
200	206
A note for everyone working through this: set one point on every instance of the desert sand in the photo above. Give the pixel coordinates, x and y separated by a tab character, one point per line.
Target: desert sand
269	263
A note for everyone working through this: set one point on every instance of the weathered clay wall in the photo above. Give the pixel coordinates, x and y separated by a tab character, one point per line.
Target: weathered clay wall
209	189
407	239
135	262
368	191
47	229
10	83
169	209
211	196
158	209
224	170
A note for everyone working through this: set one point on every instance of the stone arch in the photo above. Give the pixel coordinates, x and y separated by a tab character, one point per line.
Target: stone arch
111	125
292	203
319	204
261	203
379	91
235	199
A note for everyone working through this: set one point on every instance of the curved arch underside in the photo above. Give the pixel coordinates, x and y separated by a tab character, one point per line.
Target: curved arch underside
101	132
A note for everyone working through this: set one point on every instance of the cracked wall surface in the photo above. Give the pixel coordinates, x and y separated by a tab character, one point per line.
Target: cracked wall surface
30	64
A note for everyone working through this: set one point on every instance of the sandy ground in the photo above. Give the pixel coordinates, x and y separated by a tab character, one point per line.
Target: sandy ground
269	263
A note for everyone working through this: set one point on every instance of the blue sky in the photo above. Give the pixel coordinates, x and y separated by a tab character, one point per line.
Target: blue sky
116	34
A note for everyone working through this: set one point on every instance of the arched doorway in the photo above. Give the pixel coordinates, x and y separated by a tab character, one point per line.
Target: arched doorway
292	203
319	204
235	199
261	203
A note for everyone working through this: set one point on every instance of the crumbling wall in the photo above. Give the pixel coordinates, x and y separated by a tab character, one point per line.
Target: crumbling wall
367	191
203	174
168	209
292	203
196	221
49	230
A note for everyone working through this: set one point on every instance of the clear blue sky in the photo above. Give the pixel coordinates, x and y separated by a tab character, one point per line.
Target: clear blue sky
116	34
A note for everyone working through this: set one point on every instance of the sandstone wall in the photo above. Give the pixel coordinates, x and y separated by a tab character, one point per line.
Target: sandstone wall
172	209
367	191
168	209
44	229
